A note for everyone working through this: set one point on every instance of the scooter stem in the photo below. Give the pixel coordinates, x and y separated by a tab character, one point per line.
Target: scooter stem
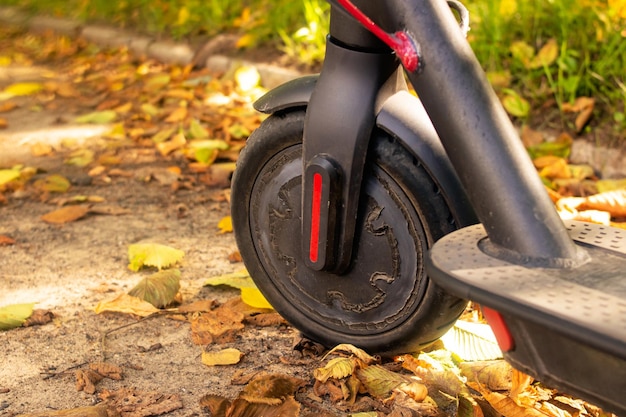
484	147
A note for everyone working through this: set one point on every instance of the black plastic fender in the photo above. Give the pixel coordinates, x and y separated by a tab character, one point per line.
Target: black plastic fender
402	116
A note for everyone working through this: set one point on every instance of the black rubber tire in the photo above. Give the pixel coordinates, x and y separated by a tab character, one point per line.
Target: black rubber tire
384	303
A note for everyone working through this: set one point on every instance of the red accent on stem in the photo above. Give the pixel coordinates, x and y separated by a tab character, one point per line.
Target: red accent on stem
316	206
500	329
400	42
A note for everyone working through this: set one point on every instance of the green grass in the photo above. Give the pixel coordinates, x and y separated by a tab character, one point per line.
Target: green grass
535	51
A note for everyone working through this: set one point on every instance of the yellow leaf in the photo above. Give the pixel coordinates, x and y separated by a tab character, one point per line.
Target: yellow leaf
153	254
23	89
246	41
127	304
13	316
8	175
98	117
608	185
546	56
177	142
558	169
183	16
177	115
515	104
336	368
53	183
66	214
225	225
508	8
254	298
228	356
505	405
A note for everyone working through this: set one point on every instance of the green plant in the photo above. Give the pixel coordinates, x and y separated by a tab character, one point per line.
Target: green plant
308	44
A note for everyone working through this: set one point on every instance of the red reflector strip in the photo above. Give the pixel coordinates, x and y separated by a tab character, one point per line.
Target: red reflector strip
500	329
316	205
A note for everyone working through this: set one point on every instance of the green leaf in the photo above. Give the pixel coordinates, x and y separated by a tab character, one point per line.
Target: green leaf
379	381
610	185
54	183
15	315
196	131
98	117
159	289
8	175
153	254
239	279
515	105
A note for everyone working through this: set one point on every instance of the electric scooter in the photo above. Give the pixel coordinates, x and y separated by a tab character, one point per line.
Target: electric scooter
368	216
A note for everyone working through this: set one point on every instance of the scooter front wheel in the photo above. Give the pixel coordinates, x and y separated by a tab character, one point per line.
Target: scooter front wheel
384	302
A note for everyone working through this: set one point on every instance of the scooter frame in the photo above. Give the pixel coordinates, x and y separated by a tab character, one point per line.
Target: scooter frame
461	134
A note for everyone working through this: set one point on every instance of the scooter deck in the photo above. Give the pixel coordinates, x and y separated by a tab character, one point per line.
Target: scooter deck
568	326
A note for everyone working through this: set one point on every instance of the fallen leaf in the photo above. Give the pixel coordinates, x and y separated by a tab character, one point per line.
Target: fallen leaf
167	147
127	304
6	241
8	175
7	106
218	324
516	105
53	184
178	115
379	382
132	402
355	351
228	356
153	254
66	214
546	56
336	368
98	117
3	123
225	225
472	341
15	315
254	298
39	318
504	404
265	387
495	375
610	185
22	89
158	289
613	202
80	158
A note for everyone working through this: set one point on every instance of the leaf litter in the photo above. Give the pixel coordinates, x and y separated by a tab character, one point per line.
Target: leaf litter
354	381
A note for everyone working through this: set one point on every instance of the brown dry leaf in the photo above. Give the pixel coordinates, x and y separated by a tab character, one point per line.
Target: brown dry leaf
612	201
266	320
584	107
128	304
66	214
107	370
7	106
3	123
86	380
270	386
134	403
39	318
198	306
6	241
216	326
41	149
178	115
531	137
495	375
177	142
504	404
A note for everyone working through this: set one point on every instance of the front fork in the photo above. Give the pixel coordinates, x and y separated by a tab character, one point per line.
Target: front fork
339	121
482	144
